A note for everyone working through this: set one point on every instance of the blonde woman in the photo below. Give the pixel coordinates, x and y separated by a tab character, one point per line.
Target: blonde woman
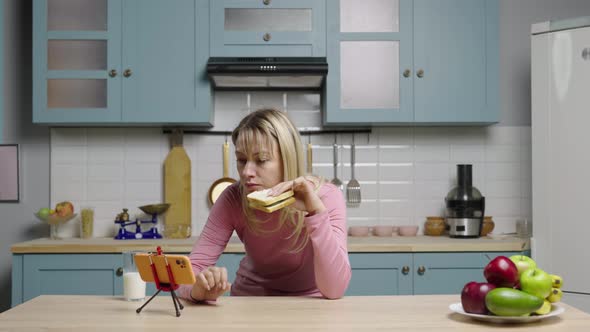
296	251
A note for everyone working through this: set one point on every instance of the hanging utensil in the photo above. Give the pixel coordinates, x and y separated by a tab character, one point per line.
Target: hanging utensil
220	184
309	156
353	188
336	181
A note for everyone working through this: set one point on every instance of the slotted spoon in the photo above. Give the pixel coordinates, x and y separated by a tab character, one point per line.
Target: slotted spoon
353	188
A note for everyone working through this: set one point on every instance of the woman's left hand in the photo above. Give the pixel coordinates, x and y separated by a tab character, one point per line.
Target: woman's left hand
306	198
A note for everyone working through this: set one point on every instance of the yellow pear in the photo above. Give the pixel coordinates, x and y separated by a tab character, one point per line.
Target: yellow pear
545	308
555	295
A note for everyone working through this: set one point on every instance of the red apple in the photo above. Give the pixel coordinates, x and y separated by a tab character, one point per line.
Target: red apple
502	272
473	297
64	209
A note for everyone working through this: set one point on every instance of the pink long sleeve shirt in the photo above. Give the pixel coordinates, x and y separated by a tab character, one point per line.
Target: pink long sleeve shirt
320	269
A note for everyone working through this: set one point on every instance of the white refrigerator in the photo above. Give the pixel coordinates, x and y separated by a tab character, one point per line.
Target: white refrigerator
560	70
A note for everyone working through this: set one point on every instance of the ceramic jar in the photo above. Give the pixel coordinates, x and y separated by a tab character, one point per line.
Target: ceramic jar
434	226
487	227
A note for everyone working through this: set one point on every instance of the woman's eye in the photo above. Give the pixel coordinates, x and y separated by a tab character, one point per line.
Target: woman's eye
262	161
241	161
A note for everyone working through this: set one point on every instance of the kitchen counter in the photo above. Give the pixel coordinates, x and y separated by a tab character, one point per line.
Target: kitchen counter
353	313
355	244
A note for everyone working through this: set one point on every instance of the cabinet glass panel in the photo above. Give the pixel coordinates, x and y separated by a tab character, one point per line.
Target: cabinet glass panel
369	74
76	93
77	15
248	19
77	55
369	15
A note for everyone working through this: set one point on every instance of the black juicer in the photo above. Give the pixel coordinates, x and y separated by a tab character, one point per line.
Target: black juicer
465	206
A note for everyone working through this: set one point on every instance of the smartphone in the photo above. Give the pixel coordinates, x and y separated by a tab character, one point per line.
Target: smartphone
180	266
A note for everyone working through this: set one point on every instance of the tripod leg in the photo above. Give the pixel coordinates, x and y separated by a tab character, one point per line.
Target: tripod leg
174	296
148	301
174	301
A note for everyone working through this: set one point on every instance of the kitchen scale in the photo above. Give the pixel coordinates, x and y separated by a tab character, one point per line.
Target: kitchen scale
123	221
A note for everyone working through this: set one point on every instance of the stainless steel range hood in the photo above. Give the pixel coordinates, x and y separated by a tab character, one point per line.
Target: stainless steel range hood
267	73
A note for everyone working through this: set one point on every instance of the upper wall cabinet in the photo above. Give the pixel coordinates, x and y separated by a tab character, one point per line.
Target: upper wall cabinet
121	62
268	28
412	62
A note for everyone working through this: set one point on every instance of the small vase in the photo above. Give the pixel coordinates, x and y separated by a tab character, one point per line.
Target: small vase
53	228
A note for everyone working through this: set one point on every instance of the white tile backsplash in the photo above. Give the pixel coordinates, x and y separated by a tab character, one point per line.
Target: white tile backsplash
404	172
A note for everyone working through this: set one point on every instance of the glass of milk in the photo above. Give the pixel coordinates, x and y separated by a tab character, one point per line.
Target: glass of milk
133	286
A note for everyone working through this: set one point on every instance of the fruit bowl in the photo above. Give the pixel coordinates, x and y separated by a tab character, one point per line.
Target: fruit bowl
54	219
556	310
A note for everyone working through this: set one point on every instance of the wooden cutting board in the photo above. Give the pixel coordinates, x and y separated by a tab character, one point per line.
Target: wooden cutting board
177	187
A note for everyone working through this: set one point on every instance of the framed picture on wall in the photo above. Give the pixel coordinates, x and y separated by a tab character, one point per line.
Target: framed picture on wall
9	182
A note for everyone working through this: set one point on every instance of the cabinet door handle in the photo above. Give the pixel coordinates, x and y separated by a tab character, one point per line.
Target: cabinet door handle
119	272
112	72
127	72
421	270
407	73
405	270
266	36
420	73
266	2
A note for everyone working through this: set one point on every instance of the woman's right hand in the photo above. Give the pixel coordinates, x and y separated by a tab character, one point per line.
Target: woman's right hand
211	283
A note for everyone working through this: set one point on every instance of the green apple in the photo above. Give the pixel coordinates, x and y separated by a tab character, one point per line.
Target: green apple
536	282
43	213
523	263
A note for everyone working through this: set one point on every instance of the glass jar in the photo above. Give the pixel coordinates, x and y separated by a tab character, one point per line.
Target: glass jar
86	222
53	232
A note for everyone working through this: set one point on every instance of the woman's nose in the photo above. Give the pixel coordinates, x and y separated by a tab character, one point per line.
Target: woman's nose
249	170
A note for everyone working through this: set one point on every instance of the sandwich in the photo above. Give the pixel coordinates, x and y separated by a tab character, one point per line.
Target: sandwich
261	201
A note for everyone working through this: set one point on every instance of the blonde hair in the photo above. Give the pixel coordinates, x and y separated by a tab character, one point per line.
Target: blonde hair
270	127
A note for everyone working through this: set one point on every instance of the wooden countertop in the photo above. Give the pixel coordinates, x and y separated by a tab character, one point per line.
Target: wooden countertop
370	313
355	244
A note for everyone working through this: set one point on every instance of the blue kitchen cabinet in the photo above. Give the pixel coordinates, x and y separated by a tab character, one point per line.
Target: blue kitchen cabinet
372	273
417	273
456	49
380	274
84	274
447	273
121	62
81	274
421	62
255	28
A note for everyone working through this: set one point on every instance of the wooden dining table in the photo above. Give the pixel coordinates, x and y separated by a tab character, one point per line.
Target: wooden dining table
353	313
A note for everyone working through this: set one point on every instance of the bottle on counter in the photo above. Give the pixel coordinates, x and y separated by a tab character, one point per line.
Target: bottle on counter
86	222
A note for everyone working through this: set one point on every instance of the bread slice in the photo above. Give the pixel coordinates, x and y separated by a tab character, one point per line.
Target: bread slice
259	200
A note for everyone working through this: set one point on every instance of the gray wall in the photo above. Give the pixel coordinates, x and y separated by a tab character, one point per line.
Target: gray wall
516	17
17	221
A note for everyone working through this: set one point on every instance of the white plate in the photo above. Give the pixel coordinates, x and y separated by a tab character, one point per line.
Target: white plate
556	309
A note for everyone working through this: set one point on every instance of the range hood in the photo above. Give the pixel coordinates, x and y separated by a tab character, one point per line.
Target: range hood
267	73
